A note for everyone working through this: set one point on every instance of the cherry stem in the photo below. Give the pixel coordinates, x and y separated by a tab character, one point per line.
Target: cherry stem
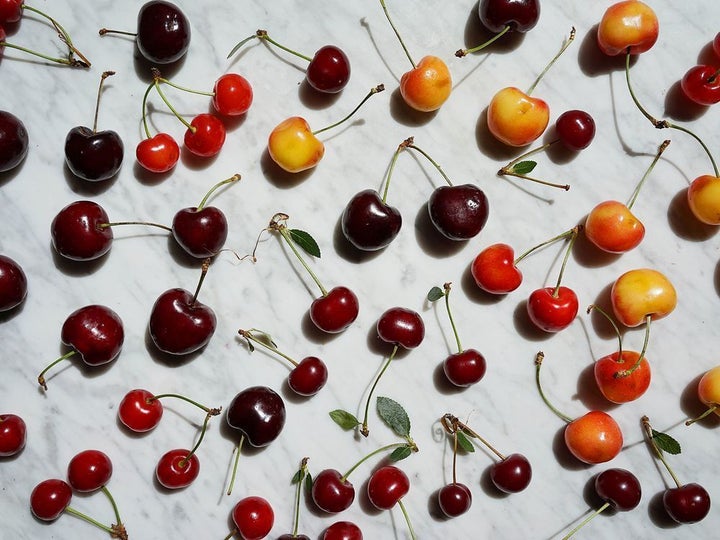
203	273
662	124
149	223
411	144
211	411
509	169
234	178
635	193
183	462
105	75
407	519
399	149
452	424
70	510
375	90
447	287
235	464
65	38
277	224
41	377
538	363
392	25
298	492
262	34
462	52
628	371
185	88
658	452
364	428
573	237
454	462
66	61
712	78
104	31
248	335
157	79
707	412
546	243
110	498
565	45
375	452
586	520
144	110
613	324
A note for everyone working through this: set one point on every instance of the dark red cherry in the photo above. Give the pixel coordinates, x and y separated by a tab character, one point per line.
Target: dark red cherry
454	499
89	470
620	488
458	212
78	233
575	129
163	32
50	498
175	470
368	223
95	332
387	486
465	368
519	15
511	474
701	84
258	413
308	377
13	284
329	70
202	233
343	530
335	311
401	326
138	412
180	324
331	492
254	517
688	503
14	140
93	155
13	434
11	11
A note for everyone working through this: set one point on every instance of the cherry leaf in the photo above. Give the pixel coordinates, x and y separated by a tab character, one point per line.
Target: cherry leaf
436	293
464	442
394	416
666	442
524	167
308	482
298	476
344	419
400	453
305	241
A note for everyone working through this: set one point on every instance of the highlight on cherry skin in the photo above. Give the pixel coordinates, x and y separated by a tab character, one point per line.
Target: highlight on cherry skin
628	27
14	139
13	284
708	392
641	293
13	435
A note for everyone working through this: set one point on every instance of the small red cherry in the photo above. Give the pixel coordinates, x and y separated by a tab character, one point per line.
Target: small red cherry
253	517
232	95
207	136
13	434
158	154
175	470
139	412
89	470
50	498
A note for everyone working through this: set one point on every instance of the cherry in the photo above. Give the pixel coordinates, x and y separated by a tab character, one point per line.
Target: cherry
205	136
701	84
519	15
89	471
14	141
232	95
258	413
368	222
401	327
335	310
140	411
619	488
332	492
454	499
716	44
94	155
11	11
13	284
13	434
343	530
253	517
387	486
79	231
158	153
177	468
512	473
575	129
50	498
688	503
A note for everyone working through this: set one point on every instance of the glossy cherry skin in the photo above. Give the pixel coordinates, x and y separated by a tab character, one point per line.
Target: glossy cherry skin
11	11
701	84
13	284
640	293
515	118
703	198
77	232
331	493
387	486
158	154
620	488
575	129
89	471
179	324
14	141
343	530
329	70
458	212
293	146
202	233
629	26
95	332
258	413
163	32
593	438
335	311
308	377
552	312
93	155
401	326
465	368
175	471
512	474
494	269
254	517
426	87
688	503
207	136
232	95
612	227
139	412
709	388
50	498
454	499
615	386
519	15
716	44
368	223
13	434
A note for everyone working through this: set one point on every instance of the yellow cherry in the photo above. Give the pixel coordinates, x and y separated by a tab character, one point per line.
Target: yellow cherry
642	293
704	199
293	146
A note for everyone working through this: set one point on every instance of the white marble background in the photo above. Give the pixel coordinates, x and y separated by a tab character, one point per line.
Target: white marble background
79	409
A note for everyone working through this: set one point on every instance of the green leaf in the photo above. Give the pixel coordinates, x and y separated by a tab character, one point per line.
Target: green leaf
305	241
394	416
297	477
344	419
400	453
308	482
524	167
666	442
436	293
464	442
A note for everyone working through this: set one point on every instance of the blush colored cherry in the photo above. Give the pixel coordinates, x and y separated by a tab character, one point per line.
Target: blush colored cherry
335	310
331	492
50	498
575	129
343	530
258	413
701	84
14	141
13	284
454	499
13	434
232	95
617	387
512	473
387	486
401	326
368	222
206	136
494	269
139	411
175	470
627	27
642	294
158	154
253	517
89	471
79	231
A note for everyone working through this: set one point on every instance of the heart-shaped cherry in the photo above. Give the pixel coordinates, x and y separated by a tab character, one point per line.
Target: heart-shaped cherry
331	492
368	222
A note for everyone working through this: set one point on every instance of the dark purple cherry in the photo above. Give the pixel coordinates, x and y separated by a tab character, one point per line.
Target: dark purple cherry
575	129
258	413
78	233
368	223
331	492
93	155
329	70
620	488
465	368
519	15
688	503
163	32
13	284
458	212
202	233
179	323
454	499
512	474
13	140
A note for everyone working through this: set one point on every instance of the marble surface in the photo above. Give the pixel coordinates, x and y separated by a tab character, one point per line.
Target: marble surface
79	409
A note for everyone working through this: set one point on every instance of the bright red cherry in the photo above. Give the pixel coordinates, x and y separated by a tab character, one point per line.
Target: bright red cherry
494	269
552	309
401	326
50	498
329	70
13	284
89	471
11	11
78	232
158	154
616	382
575	129
13	434
368	223
701	84
175	470
387	486
253	517
139	412
688	503
331	492
232	95
343	530
207	135
512	473
454	499
335	311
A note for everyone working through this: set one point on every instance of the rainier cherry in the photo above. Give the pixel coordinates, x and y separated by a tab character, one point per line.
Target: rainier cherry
14	142
13	284
627	27
13	435
709	393
642	294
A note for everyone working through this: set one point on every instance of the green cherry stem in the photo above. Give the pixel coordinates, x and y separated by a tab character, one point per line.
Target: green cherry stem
407	519
302	474
110	498
565	45
636	364
268	343
659	153
149	223
156	83
546	243
374	90
392	25
586	520
573	237
214	411
510	170
236	450
183	462
539	357
184	88
706	413
446	288
613	324
203	272
105	75
364	428
649	432
463	52
662	124
41	378
263	35
234	178
394	159
115	532
411	144
385	448
72	62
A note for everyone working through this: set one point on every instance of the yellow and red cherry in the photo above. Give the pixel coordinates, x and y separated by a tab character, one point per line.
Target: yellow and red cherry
627	27
701	84
703	197
641	294
708	392
232	95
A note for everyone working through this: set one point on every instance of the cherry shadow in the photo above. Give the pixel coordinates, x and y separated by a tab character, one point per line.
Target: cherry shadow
143	67
313	333
489	145
405	115
683	222
474	293
525	327
692	407
442	384
279	177
475	33
167	359
563	455
349	252
588	392
87	188
601	326
148	178
314	99
7	176
588	255
431	241
679	107
593	62
77	268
